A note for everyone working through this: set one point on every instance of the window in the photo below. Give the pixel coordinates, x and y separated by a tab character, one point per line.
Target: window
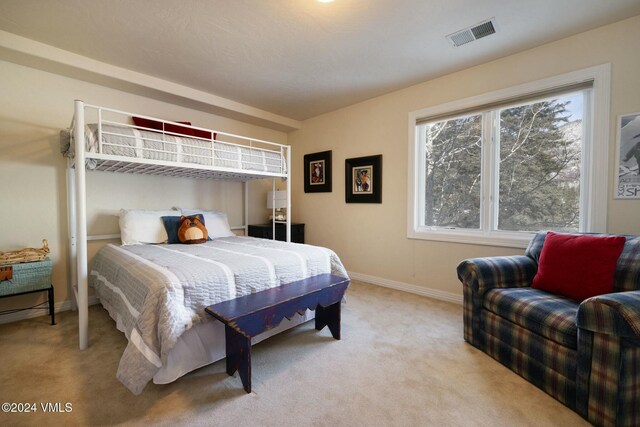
494	169
452	154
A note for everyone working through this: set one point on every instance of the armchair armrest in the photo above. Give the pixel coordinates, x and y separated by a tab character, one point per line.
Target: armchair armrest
612	314
482	274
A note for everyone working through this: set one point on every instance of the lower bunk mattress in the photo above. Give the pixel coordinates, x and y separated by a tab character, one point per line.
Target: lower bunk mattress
157	295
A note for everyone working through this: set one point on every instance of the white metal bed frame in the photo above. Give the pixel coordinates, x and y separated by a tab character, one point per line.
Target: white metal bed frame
76	184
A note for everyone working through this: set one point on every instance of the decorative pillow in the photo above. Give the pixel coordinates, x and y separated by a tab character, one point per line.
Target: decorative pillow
168	127
172	224
146	123
578	266
192	230
140	227
198	133
217	222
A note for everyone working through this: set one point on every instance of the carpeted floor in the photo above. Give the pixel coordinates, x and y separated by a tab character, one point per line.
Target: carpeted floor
402	361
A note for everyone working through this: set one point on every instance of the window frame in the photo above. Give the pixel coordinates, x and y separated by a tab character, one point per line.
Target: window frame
594	172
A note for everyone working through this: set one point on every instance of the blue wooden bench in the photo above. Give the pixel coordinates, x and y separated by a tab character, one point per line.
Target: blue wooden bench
250	315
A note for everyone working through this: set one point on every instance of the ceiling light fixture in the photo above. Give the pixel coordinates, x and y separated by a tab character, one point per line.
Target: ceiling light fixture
325	1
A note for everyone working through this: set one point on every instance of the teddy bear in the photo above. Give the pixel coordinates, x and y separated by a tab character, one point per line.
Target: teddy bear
192	230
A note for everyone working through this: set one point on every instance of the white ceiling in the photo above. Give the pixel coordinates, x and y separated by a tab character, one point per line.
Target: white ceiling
299	58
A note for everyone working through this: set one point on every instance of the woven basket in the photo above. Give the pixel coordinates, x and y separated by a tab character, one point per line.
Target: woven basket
25	255
27	277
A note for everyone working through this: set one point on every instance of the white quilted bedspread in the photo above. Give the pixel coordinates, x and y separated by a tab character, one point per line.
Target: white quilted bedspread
160	291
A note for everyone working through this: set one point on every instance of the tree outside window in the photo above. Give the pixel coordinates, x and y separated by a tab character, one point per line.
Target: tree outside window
535	170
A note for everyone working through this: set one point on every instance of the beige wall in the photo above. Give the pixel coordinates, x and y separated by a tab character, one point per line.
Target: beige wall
34	107
371	238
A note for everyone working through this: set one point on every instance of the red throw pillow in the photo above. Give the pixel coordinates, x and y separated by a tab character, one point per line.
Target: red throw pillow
202	134
181	130
168	127
146	123
578	267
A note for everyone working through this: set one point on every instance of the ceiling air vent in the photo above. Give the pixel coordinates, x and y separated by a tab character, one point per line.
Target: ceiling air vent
470	34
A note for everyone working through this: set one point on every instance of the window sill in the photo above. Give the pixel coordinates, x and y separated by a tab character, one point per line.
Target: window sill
499	239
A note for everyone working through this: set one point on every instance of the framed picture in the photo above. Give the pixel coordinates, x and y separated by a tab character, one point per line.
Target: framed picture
628	164
363	183
317	172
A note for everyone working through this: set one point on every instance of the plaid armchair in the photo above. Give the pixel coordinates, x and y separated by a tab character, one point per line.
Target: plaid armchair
586	355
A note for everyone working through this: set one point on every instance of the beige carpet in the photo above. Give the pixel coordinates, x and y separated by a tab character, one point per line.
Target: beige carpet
402	361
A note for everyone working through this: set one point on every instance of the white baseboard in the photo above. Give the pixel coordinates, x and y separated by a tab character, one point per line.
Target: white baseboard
408	287
29	314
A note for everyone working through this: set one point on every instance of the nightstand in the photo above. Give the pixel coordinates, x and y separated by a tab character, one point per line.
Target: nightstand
265	231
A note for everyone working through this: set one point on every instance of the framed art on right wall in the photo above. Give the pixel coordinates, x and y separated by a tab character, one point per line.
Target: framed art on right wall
363	179
628	157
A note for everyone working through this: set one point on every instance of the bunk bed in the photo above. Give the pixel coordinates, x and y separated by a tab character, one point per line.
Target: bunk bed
161	147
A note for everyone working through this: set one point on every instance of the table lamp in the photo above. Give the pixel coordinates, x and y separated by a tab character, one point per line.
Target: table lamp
277	200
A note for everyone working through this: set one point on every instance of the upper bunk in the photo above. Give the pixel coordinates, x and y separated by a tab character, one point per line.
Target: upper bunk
119	141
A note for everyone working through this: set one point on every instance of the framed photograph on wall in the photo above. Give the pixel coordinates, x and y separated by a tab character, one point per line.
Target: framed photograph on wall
628	156
317	172
363	179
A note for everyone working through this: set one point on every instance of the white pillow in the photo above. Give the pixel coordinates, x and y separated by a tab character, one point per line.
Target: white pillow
216	222
141	227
